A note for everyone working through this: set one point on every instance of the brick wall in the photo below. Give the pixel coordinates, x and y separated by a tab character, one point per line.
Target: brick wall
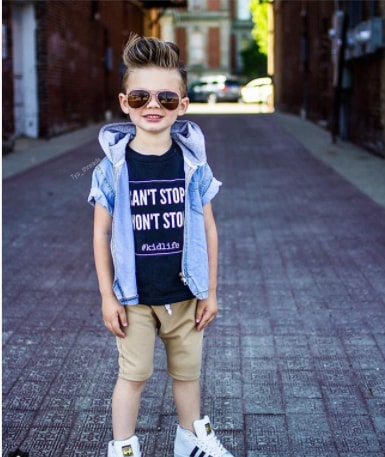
79	46
366	128
213	5
80	61
317	67
213	47
303	58
382	88
181	40
8	120
70	66
289	77
120	19
303	74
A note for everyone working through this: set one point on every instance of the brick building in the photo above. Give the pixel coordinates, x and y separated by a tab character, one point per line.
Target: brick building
309	40
61	60
211	35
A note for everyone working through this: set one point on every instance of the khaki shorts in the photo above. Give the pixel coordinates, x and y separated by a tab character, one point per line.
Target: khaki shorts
183	343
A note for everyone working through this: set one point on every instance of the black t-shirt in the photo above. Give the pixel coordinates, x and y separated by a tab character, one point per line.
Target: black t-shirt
157	196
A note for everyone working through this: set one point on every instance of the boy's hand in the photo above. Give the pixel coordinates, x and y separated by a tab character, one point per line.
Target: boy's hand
114	316
206	311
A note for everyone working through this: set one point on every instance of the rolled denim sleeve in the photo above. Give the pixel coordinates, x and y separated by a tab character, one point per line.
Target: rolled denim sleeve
102	186
209	185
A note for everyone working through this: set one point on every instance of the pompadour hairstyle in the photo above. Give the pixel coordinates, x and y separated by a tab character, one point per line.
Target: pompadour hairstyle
141	52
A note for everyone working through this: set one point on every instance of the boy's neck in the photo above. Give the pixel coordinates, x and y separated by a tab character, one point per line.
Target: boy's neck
151	145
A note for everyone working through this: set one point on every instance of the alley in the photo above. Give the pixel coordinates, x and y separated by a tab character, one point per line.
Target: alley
294	364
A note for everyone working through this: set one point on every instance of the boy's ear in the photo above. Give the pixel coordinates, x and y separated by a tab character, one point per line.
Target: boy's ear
123	103
183	106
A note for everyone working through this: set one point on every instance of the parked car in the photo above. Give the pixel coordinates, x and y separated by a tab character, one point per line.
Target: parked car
258	90
213	89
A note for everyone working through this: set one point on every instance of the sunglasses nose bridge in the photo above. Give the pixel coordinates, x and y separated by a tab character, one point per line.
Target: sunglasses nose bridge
153	96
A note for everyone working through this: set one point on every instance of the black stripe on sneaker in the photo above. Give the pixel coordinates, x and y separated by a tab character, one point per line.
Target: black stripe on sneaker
202	454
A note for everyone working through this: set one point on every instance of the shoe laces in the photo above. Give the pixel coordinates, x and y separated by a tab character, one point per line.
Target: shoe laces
212	445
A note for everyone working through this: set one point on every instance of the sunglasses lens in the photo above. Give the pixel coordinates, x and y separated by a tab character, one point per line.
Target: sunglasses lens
138	98
168	99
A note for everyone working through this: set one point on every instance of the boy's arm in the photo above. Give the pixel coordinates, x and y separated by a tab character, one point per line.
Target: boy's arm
208	308
113	312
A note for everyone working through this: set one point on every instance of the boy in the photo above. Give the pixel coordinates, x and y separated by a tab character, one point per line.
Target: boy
155	245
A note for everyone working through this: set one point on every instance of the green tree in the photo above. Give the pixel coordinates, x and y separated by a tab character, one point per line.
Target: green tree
260	32
254	61
255	56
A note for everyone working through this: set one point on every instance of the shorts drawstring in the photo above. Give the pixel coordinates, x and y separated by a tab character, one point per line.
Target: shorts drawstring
168	309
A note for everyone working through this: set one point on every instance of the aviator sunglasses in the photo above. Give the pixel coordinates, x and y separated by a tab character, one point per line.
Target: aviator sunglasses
140	97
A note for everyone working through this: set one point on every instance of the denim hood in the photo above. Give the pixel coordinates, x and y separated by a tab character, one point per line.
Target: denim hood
114	138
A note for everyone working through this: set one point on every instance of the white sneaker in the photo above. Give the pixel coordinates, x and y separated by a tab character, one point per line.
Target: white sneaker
127	448
202	444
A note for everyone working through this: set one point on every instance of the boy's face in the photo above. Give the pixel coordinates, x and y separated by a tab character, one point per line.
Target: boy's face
153	116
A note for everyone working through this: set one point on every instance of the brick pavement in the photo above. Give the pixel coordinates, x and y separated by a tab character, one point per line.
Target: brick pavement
294	363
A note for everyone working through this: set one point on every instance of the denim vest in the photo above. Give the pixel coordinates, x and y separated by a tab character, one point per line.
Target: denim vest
110	189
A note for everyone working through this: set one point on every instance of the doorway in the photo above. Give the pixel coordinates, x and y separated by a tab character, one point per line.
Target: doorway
26	108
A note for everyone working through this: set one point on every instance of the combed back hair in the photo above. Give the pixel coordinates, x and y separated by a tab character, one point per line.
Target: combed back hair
142	52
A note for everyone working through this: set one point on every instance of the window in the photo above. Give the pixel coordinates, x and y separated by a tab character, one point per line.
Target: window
196	5
243	10
197	48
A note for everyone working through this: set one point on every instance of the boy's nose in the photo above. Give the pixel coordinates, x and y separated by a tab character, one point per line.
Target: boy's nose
153	101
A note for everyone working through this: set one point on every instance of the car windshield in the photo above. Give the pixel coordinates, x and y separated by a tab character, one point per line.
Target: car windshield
232	83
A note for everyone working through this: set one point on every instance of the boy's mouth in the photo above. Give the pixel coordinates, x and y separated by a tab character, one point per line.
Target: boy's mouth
153	117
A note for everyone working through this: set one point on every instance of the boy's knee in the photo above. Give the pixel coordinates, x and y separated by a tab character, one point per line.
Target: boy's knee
188	369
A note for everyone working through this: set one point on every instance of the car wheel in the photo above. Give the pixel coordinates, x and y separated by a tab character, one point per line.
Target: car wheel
212	99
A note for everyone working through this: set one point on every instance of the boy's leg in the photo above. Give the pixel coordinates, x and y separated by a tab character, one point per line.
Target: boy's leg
183	345
187	402
136	353
125	407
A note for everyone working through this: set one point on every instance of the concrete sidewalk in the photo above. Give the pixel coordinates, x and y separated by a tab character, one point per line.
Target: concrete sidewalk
29	153
362	169
294	364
